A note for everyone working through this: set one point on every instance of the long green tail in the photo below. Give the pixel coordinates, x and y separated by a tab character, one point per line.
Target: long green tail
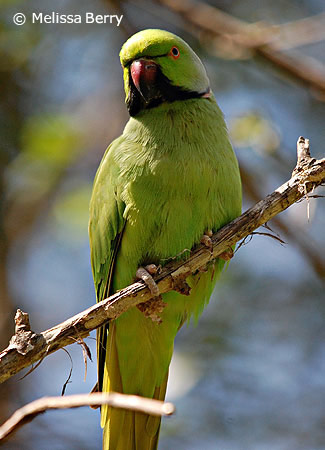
126	430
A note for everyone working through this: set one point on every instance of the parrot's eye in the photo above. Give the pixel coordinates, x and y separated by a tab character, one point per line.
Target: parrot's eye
174	52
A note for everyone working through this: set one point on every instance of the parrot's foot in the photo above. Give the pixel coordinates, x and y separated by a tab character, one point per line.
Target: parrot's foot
155	306
153	269
206	240
227	254
145	274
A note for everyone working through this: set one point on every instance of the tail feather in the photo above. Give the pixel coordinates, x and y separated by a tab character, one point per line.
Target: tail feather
126	430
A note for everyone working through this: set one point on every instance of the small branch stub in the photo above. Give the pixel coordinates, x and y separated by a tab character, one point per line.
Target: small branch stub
23	339
304	159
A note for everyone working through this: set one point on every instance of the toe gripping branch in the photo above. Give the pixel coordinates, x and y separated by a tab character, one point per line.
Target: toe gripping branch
155	306
207	242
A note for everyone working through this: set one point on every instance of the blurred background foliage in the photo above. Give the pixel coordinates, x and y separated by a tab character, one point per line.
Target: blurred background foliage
251	374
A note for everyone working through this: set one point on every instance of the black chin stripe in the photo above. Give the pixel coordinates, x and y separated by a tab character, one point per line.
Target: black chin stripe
162	91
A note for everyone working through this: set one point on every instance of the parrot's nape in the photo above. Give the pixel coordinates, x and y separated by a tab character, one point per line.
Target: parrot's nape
168	179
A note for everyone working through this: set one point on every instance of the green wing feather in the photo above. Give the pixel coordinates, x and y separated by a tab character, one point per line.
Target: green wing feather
105	231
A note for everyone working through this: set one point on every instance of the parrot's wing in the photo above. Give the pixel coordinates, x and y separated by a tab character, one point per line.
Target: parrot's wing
106	226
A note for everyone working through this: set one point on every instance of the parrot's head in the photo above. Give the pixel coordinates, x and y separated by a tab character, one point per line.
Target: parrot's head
160	67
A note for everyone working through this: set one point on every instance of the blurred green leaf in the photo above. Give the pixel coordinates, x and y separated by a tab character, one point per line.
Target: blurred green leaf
50	139
70	211
50	144
253	130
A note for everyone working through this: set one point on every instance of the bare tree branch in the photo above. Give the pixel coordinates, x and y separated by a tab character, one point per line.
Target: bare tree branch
27	347
116	400
308	30
252	38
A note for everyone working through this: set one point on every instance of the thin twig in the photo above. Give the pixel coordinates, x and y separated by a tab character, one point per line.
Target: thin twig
67	381
113	399
273	236
23	352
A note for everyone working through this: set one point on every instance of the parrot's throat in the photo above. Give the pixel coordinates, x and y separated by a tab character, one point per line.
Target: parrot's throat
150	95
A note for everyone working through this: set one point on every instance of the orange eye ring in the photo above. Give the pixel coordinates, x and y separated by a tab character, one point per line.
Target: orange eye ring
174	52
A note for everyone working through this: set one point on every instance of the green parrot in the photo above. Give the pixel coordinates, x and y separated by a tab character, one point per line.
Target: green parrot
168	179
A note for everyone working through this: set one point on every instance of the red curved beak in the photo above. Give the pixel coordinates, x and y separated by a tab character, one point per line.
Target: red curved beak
143	73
